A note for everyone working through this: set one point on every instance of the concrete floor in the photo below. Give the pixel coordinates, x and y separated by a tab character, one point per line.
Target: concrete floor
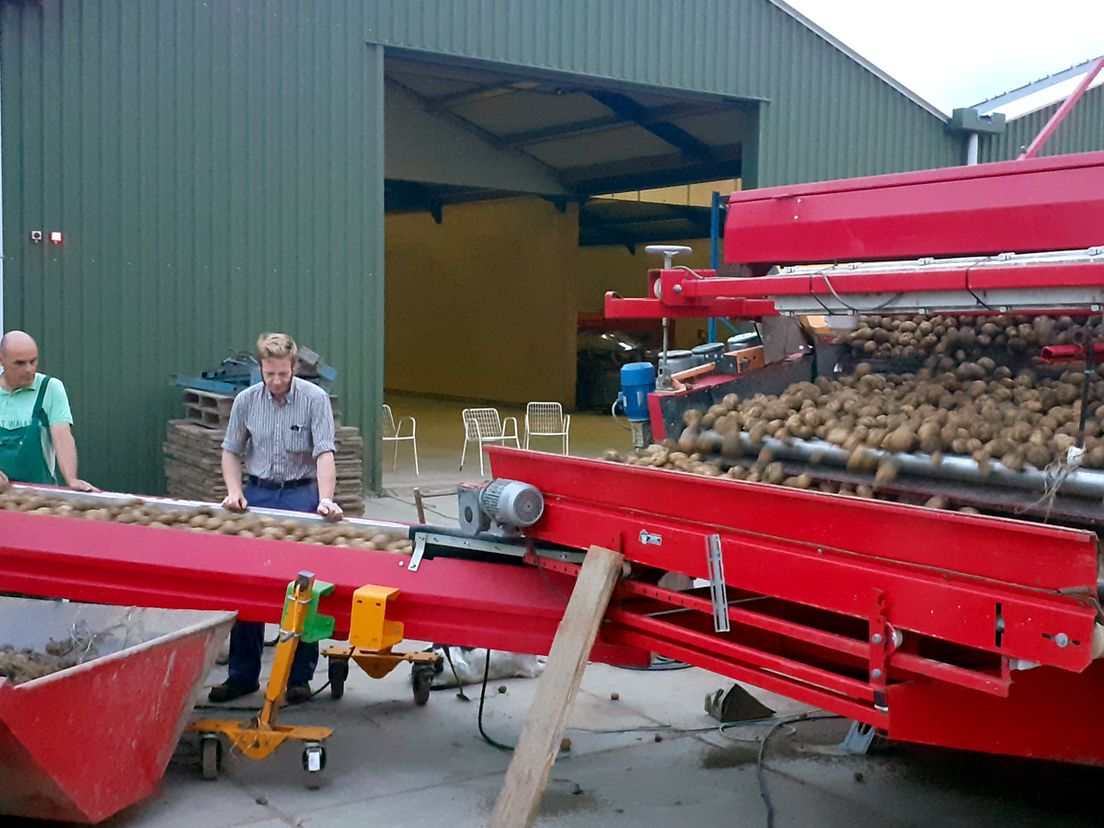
650	758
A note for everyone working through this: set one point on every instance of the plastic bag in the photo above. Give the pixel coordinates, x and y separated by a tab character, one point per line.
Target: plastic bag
470	662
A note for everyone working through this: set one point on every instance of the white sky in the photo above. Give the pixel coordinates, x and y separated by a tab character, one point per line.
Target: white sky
958	52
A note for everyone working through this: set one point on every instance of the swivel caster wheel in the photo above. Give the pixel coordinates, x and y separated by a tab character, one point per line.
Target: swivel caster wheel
421	680
210	755
314	762
338	669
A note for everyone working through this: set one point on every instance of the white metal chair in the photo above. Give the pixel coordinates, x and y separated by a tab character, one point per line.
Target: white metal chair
546	419
483	425
392	433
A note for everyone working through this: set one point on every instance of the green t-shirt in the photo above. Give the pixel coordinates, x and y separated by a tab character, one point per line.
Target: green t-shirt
16	408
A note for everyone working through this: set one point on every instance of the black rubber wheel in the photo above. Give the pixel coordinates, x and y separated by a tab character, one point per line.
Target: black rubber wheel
338	671
314	778
422	682
210	753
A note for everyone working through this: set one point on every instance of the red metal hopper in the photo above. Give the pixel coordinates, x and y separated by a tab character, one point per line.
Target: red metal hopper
83	743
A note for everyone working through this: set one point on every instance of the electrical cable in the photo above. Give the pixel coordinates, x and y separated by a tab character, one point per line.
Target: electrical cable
839	299
482	698
759	772
760	766
390	494
1088	346
689	270
970	290
1058	470
613	413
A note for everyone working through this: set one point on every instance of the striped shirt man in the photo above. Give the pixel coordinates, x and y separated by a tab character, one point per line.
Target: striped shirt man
281	442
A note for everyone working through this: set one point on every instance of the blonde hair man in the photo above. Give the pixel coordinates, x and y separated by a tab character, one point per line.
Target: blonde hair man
282	429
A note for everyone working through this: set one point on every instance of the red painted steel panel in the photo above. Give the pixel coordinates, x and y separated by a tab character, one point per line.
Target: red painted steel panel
1037	276
1048	714
725	646
1010	551
782	685
83	744
693	292
1032	205
942	604
618	307
811	284
848	650
502	606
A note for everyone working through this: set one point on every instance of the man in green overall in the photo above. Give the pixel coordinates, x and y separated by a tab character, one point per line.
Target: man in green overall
36	438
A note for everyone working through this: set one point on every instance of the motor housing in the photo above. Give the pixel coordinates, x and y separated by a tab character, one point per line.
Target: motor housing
501	507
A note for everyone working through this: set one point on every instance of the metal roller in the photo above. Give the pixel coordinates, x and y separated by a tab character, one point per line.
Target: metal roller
1080	482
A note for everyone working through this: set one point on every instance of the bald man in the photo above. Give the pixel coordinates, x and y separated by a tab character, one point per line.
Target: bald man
36	436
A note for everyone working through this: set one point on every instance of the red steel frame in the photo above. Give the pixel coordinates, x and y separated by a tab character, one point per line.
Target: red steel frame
1030	206
877	611
911	621
1064	110
1035	205
502	606
872	610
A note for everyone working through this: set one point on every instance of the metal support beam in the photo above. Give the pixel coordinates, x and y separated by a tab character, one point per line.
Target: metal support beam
1063	111
654	115
676	136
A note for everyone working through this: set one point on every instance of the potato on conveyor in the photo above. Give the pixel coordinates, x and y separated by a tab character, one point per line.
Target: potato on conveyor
974	389
208	519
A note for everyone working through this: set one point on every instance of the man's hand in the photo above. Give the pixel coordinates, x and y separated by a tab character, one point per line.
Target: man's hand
330	510
235	502
82	486
5	484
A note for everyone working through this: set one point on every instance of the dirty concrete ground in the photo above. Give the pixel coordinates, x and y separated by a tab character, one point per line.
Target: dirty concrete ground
651	758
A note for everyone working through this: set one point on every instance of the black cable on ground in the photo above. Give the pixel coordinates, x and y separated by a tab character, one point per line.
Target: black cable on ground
482	698
760	767
759	773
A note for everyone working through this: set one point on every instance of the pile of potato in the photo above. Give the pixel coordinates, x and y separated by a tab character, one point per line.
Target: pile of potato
979	409
208	519
961	402
765	470
20	665
946	341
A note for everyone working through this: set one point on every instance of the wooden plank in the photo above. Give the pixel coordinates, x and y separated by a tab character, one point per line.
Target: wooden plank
527	776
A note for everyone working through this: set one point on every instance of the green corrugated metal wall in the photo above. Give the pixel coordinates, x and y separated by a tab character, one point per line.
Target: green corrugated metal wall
217	167
827	116
216	170
1081	131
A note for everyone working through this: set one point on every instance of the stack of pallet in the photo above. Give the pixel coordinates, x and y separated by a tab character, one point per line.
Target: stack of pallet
193	453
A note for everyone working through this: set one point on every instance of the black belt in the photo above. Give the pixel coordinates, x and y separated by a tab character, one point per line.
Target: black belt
279	484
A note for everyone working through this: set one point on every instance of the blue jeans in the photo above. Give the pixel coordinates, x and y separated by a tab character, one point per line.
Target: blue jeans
247	637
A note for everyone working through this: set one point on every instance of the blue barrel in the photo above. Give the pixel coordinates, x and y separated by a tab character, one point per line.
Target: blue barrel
637	382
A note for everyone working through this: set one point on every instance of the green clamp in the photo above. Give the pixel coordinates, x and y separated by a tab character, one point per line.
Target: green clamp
317	626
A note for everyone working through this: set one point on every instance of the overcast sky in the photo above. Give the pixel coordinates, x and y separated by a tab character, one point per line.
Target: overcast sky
959	52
